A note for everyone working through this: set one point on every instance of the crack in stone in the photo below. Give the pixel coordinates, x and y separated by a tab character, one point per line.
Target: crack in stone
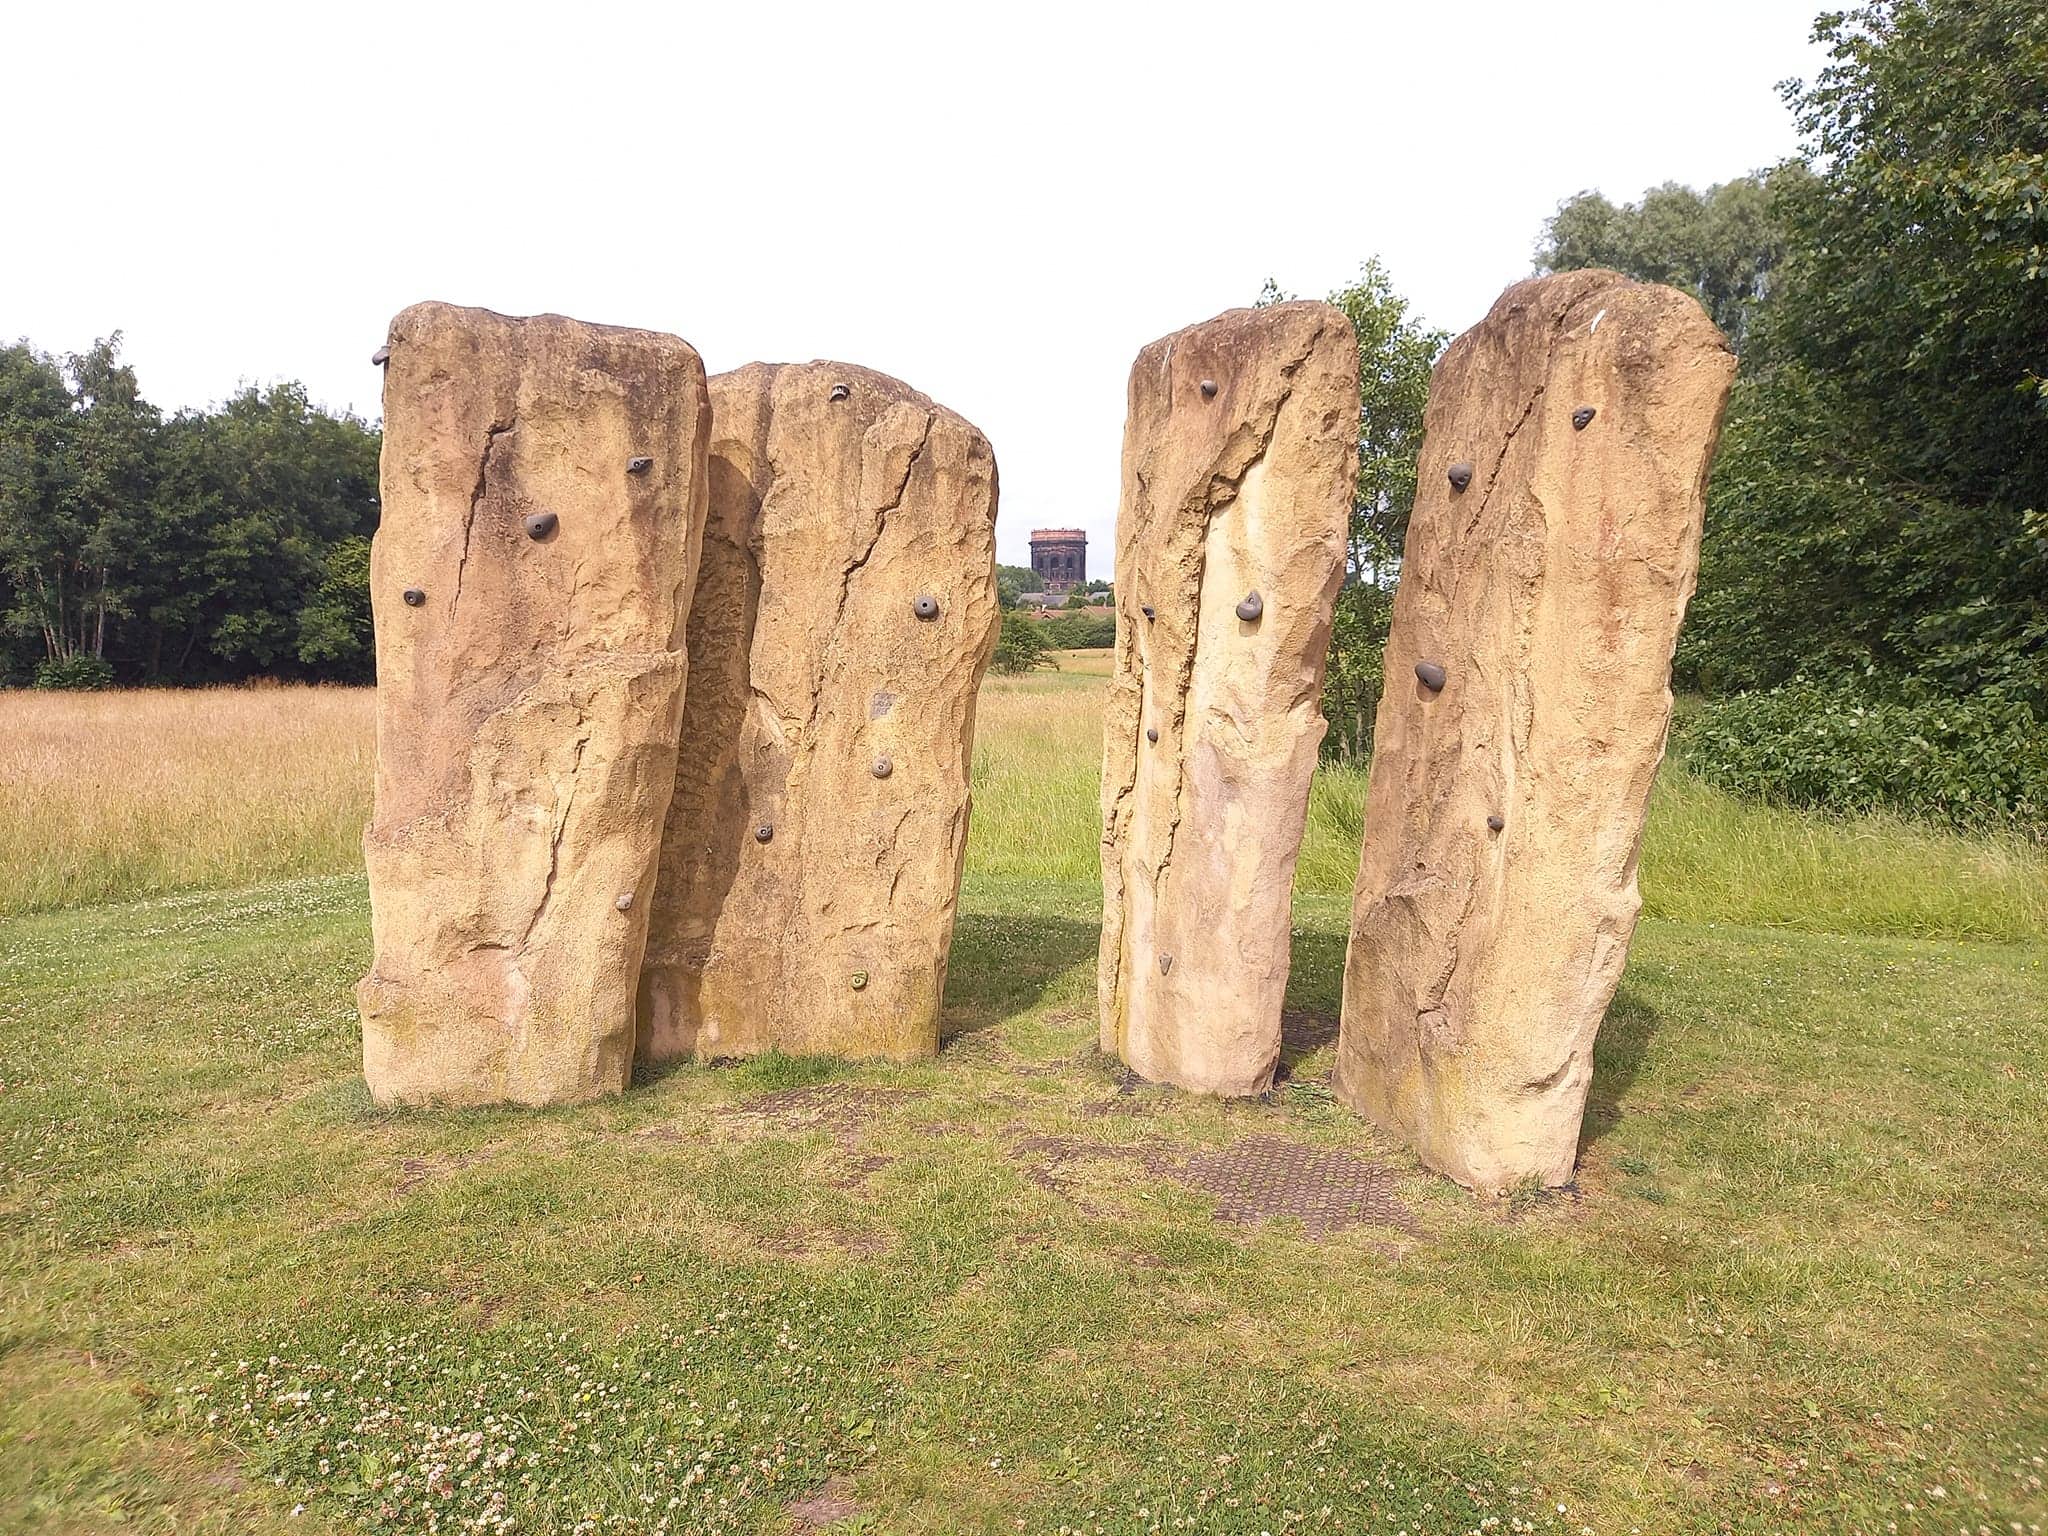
496	430
561	826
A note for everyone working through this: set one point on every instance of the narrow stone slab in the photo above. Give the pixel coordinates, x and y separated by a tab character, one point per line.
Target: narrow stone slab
844	616
1240	453
1527	698
543	501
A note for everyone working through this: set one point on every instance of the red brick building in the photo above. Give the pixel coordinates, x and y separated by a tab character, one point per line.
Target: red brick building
1059	557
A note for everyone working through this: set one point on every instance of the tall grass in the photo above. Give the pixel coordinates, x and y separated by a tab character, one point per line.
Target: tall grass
115	795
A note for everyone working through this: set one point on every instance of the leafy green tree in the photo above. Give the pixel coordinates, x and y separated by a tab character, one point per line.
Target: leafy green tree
1021	646
1723	245
1012	582
335	634
1395	353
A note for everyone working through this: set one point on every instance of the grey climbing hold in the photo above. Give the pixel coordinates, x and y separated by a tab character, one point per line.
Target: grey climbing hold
1251	606
1208	389
840	391
1147	611
639	465
1165	964
1495	822
380	357
882	767
763	832
540	524
1151	733
1581	416
925	606
625	901
414	597
1431	676
1461	475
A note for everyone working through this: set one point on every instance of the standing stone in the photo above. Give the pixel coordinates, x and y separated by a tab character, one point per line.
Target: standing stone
1527	696
844	615
1240	452
529	590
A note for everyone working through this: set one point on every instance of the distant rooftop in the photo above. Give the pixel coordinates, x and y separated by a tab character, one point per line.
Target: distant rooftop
1060	533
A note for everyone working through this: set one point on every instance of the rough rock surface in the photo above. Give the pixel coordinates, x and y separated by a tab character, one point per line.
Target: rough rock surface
530	581
1496	893
825	710
1240	451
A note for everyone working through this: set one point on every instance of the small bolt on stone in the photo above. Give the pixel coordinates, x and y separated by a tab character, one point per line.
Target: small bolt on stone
1251	606
1146	609
1208	389
639	465
763	832
1151	733
414	597
1460	475
1582	416
859	980
380	357
840	392
625	901
1495	822
925	606
540	524
1431	676
1165	964
882	767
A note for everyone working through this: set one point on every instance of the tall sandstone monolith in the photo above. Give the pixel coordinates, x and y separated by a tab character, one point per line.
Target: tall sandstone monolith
1240	453
1552	549
843	618
543	501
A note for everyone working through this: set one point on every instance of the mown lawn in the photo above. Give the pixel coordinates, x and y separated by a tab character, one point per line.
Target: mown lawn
1801	1284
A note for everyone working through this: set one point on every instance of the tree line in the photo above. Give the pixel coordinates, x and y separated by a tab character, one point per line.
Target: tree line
200	547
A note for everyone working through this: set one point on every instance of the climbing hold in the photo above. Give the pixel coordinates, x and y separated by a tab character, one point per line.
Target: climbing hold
1151	733
926	606
1581	416
1208	389
882	767
840	391
625	901
1430	675
380	357
1251	606
1146	609
1165	964
540	524
1495	822
763	832
639	466
860	980
1461	475
414	597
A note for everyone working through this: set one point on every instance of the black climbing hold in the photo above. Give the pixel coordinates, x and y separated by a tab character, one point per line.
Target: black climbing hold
540	524
1461	476
1496	821
1151	733
1581	416
925	606
1165	964
414	597
882	767
380	357
840	391
625	902
763	832
1430	675
1208	389
1251	606
639	466
1147	611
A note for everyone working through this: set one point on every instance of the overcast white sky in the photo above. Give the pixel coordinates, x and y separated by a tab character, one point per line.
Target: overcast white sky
997	203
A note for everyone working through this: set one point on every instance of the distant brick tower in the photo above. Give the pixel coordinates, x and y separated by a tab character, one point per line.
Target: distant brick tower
1059	557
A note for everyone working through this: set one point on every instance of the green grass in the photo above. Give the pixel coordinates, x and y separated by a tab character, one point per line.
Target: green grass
1800	1284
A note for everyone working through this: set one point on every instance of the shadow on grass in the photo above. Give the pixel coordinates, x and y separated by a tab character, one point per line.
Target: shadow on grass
1617	1059
1005	963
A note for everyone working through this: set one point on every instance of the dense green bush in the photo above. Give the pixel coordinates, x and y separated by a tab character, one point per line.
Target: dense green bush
80	673
1081	631
1021	646
1970	761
